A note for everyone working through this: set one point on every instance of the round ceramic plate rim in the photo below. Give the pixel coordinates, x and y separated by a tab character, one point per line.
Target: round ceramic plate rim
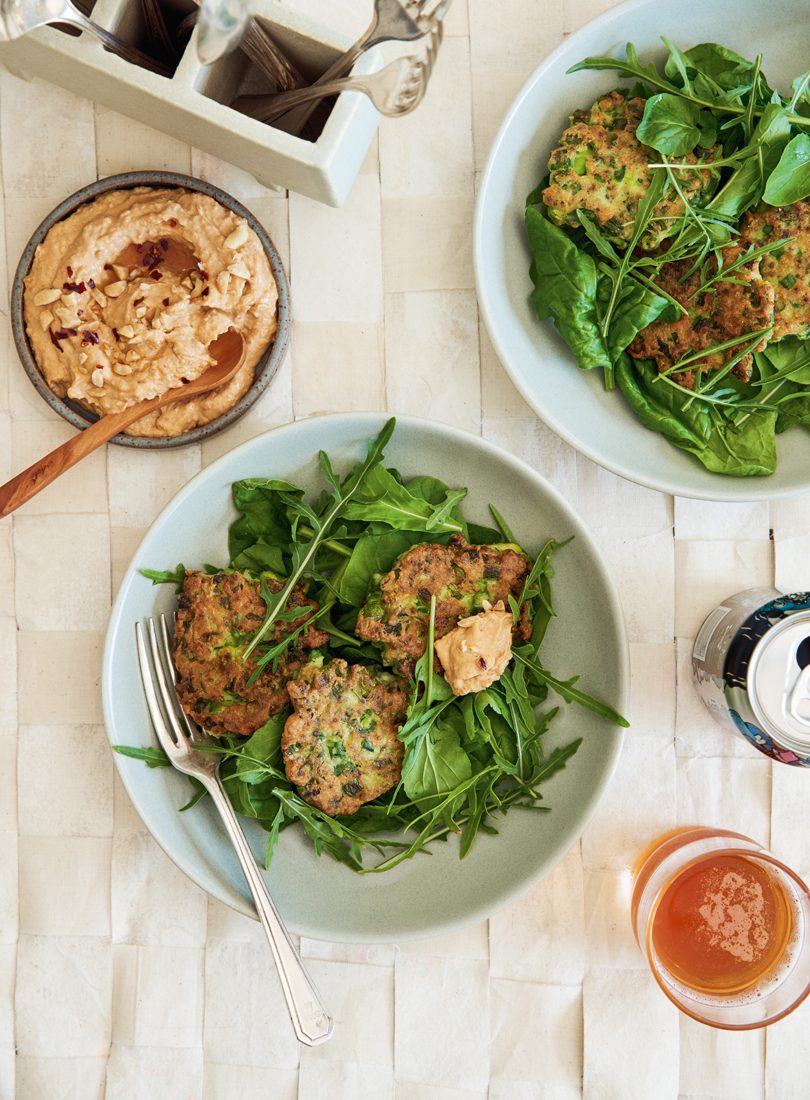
758	487
373	422
268	364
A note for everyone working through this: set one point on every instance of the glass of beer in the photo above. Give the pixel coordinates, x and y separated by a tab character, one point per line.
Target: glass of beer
724	926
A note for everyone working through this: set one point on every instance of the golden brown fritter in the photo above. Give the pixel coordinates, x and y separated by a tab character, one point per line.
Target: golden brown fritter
787	269
340	747
217	615
461	577
600	167
729	308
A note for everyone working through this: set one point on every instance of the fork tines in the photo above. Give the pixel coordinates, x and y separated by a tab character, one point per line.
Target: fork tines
172	726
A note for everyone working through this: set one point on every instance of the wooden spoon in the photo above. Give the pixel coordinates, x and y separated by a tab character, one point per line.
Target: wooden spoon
228	351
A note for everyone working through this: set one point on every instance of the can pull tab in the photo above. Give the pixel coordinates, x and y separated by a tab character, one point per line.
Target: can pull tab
799	699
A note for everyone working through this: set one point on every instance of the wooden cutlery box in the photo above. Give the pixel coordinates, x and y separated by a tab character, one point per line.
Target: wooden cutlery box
192	104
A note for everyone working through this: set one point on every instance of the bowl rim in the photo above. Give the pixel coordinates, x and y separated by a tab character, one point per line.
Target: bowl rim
368	422
266	367
748	489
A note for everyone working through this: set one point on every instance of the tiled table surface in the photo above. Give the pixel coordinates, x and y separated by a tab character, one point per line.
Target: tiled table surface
119	977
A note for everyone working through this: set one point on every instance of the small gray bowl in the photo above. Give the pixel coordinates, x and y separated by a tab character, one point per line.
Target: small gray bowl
265	368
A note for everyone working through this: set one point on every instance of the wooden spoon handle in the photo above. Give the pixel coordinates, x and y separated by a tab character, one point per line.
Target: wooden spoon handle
45	470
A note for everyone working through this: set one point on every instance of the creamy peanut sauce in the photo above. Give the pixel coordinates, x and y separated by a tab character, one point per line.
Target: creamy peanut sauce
125	295
476	652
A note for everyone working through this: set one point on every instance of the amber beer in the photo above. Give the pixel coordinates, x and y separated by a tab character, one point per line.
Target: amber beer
724	927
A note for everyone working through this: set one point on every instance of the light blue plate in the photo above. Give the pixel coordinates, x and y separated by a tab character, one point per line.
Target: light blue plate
318	897
572	401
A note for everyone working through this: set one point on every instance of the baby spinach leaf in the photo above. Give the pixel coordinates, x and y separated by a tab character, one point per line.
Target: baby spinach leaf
374	554
261	749
674	126
263	503
755	163
790	180
435	763
565	287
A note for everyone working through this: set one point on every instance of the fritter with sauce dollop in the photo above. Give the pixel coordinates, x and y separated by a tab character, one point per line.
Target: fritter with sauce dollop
217	615
461	576
601	168
340	747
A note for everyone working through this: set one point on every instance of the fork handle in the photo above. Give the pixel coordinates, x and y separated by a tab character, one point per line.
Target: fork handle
310	1019
267	108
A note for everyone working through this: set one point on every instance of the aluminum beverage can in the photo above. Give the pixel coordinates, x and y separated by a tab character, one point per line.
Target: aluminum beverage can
751	667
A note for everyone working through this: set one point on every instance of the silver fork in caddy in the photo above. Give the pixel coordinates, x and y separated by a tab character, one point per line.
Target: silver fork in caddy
178	735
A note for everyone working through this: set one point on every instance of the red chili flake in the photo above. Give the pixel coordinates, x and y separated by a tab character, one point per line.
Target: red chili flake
55	339
185	380
164	243
139	248
165	301
137	301
482	663
172	222
71	332
89	337
204	274
76	288
91	283
156	275
69	270
99	366
108	267
116	335
205	293
80	313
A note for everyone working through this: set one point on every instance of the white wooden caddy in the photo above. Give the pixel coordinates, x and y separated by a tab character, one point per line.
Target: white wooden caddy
192	104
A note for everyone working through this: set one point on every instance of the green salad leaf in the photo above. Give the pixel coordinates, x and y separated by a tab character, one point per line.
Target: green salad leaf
674	126
790	180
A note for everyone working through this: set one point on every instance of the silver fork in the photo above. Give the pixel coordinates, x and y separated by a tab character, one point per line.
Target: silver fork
396	89
393	20
18	17
178	735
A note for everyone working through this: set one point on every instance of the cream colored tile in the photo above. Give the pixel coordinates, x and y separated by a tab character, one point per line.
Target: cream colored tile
364	1039
272	211
442	1013
274	407
541	29
236	181
225	923
724	1064
63	580
6	571
344	1081
77	1023
785	1074
141	483
652	689
374	954
59	676
529	439
64	886
606	500
6	468
499	398
608	933
58	1078
82	489
638	805
709	794
427	244
432	356
134	1073
429	153
8	966
788	806
536	1026
8	782
338	368
9	915
708	571
371	165
8	676
631	1037
790	516
643	568
65	777
541	937
457	20
335	258
118	137
248	1083
790	562
241	983
124	541
411	1090
125	816
711	519
153	902
25	402
157	996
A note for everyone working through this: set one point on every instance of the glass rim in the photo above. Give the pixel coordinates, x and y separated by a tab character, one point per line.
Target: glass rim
657	972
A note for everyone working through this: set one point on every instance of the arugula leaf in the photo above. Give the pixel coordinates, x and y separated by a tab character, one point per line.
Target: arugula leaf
566	689
789	182
153	758
176	577
674	126
383	499
755	162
